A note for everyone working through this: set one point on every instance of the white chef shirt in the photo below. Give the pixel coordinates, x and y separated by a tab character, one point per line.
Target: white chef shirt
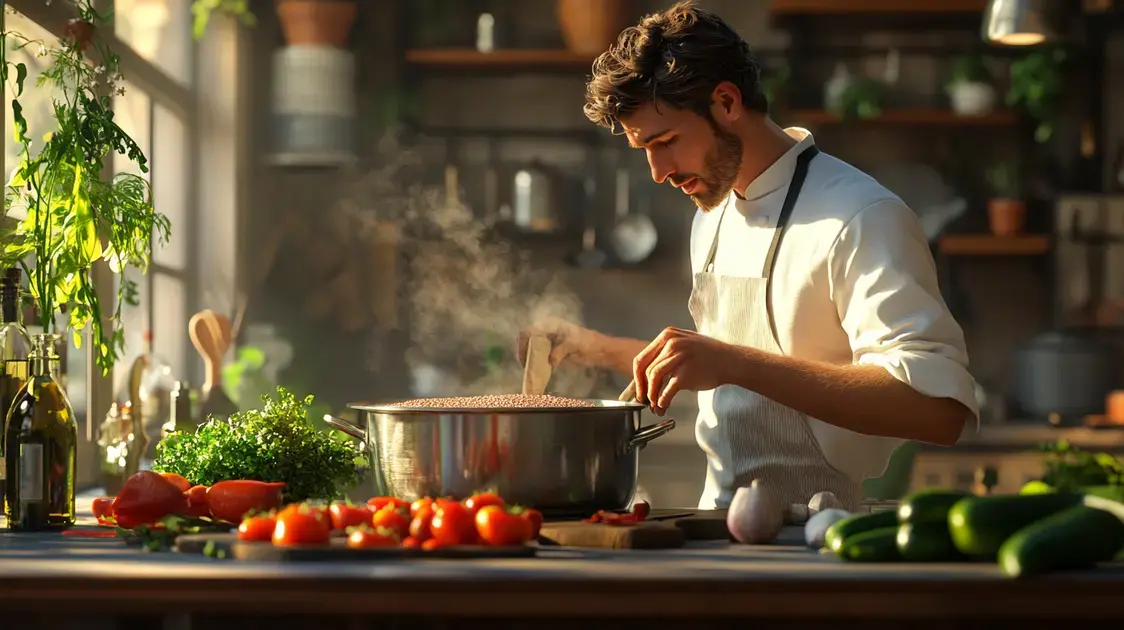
854	280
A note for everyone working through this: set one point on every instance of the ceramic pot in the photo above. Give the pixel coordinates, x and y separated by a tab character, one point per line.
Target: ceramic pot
589	27
316	22
1006	217
971	99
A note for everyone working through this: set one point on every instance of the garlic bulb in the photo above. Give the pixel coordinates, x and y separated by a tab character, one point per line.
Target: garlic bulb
755	515
816	527
823	501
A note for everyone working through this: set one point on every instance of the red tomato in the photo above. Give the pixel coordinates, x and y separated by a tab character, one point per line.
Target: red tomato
419	525
197	502
145	498
431	544
501	528
103	508
183	484
420	504
257	528
302	525
231	500
483	499
344	515
452	524
535	518
378	503
394	519
366	538
410	542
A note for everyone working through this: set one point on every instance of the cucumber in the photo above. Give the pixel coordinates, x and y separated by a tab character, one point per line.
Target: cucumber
1037	487
927	542
929	506
980	525
872	545
856	525
1075	538
1112	493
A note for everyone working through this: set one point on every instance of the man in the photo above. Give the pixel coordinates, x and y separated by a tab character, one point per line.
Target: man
823	341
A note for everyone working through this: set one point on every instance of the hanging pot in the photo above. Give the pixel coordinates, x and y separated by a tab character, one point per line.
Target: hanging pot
316	22
589	27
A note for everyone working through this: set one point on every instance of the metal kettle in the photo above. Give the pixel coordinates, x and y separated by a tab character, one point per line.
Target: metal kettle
534	199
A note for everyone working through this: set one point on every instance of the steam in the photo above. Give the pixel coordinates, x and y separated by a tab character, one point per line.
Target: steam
468	293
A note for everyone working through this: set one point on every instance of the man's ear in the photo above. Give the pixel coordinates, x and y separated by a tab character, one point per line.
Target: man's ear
726	102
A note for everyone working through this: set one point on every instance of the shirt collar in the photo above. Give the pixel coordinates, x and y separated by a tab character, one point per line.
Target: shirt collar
779	173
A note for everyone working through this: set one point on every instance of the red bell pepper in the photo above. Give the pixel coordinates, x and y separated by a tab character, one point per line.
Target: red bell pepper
145	498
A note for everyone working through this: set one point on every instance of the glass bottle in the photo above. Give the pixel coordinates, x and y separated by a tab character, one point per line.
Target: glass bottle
15	344
155	404
41	442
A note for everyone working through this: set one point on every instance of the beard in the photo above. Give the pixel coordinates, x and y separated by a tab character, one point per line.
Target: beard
720	169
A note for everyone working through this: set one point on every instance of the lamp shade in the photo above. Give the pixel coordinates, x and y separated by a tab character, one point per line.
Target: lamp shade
1022	22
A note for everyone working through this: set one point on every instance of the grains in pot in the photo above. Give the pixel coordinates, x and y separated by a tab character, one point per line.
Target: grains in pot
496	401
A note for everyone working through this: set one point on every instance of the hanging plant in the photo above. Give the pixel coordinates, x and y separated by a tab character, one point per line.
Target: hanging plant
70	215
201	11
1038	85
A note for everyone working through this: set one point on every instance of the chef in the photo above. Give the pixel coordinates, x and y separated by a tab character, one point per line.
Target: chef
821	340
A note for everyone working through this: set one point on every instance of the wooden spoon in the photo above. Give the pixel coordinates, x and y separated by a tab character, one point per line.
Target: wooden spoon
216	402
536	372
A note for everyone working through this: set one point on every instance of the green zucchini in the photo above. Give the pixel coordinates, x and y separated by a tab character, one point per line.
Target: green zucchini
927	542
980	525
929	506
857	524
874	545
1075	538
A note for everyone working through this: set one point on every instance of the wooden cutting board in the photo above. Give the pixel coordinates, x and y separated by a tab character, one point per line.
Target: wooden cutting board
661	531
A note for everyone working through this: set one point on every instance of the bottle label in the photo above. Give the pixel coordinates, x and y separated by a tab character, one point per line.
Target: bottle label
31	473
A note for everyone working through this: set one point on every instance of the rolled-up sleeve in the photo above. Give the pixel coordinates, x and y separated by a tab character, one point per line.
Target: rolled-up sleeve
884	286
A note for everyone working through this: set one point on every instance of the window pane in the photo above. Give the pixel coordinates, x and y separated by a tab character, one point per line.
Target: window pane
169	305
36	100
170	176
159	31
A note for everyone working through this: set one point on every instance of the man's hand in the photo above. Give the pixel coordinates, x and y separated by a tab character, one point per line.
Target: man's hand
680	360
568	342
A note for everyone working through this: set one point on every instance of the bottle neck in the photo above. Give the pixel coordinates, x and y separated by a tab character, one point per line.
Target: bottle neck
43	360
10	305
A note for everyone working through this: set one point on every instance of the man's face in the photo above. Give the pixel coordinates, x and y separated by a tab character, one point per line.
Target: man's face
695	154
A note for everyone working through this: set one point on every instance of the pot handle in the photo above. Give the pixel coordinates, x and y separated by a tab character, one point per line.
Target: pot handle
343	425
651	432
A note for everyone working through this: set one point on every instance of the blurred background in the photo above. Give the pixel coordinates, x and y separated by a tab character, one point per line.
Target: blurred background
377	196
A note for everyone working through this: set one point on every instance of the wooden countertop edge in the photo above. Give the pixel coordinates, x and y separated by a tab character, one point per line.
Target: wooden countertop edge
1091	597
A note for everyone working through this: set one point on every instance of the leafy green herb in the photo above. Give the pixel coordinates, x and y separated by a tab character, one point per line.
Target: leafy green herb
201	11
274	443
1069	468
162	538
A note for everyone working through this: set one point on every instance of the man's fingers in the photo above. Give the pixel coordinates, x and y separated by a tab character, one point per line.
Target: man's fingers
640	368
670	389
662	369
559	350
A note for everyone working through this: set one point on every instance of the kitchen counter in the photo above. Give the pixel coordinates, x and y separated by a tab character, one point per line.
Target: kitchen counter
782	581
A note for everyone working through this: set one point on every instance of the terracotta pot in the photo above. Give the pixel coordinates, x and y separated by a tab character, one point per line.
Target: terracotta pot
589	27
316	22
1006	216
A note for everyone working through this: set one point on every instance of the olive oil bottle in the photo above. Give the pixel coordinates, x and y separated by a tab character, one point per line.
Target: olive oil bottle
41	441
14	347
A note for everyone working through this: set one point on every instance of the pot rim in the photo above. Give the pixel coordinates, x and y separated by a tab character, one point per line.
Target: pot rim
601	405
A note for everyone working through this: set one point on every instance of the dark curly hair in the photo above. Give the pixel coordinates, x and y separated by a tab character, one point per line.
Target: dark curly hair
678	57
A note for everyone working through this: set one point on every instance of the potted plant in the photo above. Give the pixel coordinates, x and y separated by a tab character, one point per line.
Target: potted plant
1037	87
317	22
589	27
1006	210
970	86
201	11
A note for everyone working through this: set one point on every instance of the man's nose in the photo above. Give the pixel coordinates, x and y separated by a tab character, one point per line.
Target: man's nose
660	171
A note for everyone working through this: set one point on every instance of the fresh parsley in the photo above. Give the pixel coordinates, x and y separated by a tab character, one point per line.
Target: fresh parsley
275	443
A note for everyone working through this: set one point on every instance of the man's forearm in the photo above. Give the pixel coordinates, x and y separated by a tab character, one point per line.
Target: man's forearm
617	353
864	399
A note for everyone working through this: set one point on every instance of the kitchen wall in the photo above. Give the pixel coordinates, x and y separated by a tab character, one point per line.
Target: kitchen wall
1007	297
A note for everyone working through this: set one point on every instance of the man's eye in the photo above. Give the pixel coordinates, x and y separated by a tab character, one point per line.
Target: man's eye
668	142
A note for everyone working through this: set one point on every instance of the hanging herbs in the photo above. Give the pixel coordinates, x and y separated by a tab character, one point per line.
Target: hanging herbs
201	11
73	215
1038	83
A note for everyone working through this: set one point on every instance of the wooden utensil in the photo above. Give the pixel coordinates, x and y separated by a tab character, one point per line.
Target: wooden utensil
201	329
629	393
536	372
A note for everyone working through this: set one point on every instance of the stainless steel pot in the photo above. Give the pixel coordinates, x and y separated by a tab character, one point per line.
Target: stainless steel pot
561	461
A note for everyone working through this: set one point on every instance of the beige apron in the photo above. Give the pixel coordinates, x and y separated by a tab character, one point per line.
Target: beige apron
746	436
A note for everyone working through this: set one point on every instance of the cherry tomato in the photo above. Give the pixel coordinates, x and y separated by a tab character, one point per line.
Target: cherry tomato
535	518
501	528
452	524
183	484
257	528
410	542
103	508
344	515
231	500
419	525
395	519
420	504
145	498
302	525
197	502
641	510
431	544
378	503
480	500
366	538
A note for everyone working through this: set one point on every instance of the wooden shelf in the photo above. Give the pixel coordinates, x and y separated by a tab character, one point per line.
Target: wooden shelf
989	245
838	7
469	58
903	117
